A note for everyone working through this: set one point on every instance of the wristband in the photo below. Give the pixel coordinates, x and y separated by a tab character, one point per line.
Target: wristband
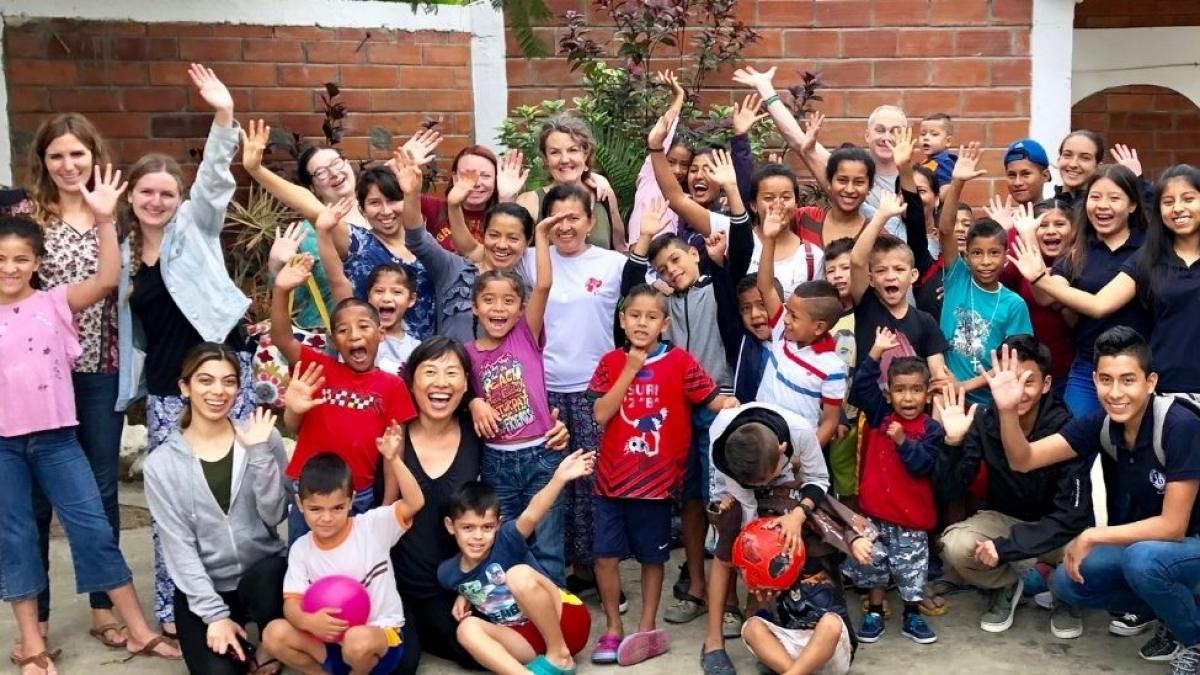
770	99
1037	278
654	149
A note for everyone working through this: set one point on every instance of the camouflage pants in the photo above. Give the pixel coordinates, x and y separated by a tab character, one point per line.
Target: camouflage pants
901	555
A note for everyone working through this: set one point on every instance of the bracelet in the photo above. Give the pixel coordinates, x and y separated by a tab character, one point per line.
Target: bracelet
770	99
1037	278
654	149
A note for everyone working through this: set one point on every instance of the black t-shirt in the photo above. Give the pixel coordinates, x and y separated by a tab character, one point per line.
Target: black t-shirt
1100	267
169	334
919	329
426	544
1141	479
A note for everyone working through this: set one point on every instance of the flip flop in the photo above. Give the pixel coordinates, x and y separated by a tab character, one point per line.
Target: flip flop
544	666
41	660
149	650
256	667
101	634
944	587
52	654
936	609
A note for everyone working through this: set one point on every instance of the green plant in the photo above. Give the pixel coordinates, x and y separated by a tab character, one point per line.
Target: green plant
253	227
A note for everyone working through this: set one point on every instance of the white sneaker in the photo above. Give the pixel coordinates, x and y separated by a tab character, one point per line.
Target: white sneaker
1045	600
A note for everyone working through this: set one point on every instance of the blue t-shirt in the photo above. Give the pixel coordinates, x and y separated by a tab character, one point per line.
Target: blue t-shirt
1100	266
1176	312
485	585
975	321
1141	479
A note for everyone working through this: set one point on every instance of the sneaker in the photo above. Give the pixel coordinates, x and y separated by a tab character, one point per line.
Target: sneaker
1130	624
1045	600
1002	604
731	623
716	662
606	649
872	628
638	647
1066	623
683	611
1161	646
683	584
580	587
1186	662
623	605
917	630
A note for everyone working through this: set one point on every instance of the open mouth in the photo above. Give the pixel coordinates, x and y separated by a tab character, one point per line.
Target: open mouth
497	323
387	314
501	255
700	188
338	181
848	201
1074	176
1181	222
358	356
216	405
439	401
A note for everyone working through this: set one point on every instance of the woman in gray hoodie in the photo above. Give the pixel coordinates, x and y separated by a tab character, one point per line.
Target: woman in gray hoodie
216	489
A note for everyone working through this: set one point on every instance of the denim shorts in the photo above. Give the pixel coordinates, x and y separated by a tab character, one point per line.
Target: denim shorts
638	526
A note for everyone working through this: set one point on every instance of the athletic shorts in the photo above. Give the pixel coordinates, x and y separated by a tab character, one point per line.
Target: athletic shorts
575	621
641	527
388	663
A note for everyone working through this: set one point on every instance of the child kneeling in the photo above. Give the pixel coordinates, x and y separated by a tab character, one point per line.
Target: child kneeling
527	623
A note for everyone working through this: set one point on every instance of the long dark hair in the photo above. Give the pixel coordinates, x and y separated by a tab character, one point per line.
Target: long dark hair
198	356
1085	232
1160	239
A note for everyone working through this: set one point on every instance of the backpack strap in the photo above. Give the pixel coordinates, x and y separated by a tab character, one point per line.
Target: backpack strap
1106	443
1162	404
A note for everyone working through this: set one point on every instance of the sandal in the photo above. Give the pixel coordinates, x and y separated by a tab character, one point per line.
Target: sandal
15	657
944	586
256	668
150	649
930	607
41	660
101	634
866	604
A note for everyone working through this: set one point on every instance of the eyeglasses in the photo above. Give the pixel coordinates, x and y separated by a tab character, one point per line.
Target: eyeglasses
324	173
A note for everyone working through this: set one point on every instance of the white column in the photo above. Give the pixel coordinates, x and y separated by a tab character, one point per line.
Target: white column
489	74
1050	52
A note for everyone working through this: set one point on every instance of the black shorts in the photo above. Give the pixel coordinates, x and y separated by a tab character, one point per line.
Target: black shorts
638	526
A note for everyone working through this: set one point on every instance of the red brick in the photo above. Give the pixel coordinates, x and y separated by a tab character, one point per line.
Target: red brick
1141	121
110	72
959	12
29	99
769	44
862	103
84	100
381	77
520	97
832	103
180	29
1011	72
805	44
1173	101
844	73
155	99
1019	12
1185	122
902	73
393	53
984	42
41	72
246	74
921	102
307	124
273	50
313	33
967	130
1175	139
783	12
925	43
991	101
960	72
132	148
360	34
454	99
142	49
335	52
242	31
1097	122
1001	133
122	124
869	43
1094	103
30	45
210	51
978	191
177	73
180	126
446	55
901	12
1117	102
306	75
842	13
281	100
196	102
1021	45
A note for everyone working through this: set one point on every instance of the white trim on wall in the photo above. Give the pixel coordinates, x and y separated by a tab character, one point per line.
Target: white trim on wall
1050	53
1114	57
486	25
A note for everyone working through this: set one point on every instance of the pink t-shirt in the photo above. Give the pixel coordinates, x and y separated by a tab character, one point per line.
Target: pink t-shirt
512	378
38	346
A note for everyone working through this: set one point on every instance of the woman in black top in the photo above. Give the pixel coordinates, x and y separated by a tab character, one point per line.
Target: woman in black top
442	450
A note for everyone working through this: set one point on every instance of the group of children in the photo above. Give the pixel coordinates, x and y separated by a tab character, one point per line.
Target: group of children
747	357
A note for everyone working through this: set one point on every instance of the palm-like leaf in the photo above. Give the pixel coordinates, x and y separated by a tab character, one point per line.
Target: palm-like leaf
619	158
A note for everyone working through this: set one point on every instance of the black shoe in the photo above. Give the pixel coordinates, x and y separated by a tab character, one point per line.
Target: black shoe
1161	646
580	587
623	606
1130	624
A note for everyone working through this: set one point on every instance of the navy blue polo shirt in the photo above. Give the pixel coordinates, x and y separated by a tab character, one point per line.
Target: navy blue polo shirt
1176	311
1141	479
1100	267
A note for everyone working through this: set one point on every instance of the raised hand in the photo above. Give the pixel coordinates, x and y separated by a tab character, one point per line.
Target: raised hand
423	145
408	172
721	170
285	245
1001	211
902	147
212	90
966	168
885	339
255	137
464	182
812	127
295	273
714	245
301	393
545	225
391	443
511	175
951	411
678	94
106	190
654	219
1128	158
1028	259
257	428
763	82
890	205
576	465
745	114
1005	382
334	214
1025	222
776	221
658	135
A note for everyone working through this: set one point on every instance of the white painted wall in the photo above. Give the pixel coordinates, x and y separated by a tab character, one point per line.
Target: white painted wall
1050	48
486	25
1114	57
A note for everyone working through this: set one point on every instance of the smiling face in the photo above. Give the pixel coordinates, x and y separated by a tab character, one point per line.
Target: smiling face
754	314
850	186
356	337
985	257
702	191
1108	207
68	161
211	390
837	272
438	386
390	296
155	199
485	181
925	191
1037	386
382	214
678	266
1124	388
498	306
1055	233
774	190
565	157
644	320
1179	206
332	176
933	138
474	533
1025	180
799	326
326	514
569	235
907	393
504	241
892	274
679	158
18	263
1077	161
962	223
882	130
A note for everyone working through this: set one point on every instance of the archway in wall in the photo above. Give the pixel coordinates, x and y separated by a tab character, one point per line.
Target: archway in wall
1161	123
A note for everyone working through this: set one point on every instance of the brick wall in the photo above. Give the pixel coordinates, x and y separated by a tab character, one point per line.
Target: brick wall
968	58
1162	124
131	80
1136	13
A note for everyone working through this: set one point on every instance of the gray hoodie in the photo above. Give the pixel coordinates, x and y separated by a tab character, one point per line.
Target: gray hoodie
207	550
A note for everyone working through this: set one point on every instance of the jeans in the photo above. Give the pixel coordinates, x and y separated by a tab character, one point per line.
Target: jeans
1080	394
364	500
55	460
1150	577
518	475
99	434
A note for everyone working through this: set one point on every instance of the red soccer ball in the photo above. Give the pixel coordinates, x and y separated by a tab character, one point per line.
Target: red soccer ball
758	553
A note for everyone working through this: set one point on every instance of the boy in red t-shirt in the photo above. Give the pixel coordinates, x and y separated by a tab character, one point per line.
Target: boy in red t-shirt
644	400
352	402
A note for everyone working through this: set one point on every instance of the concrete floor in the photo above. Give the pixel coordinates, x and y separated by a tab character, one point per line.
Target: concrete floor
961	648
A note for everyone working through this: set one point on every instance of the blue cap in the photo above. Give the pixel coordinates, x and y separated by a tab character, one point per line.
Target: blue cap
1029	149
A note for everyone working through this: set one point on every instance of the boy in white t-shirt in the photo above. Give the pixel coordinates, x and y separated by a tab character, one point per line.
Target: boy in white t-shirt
358	547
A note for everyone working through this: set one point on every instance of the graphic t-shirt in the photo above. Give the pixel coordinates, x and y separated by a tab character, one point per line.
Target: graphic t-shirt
39	344
644	447
358	408
485	586
364	554
511	378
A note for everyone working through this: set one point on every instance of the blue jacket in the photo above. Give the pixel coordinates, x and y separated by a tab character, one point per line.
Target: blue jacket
193	264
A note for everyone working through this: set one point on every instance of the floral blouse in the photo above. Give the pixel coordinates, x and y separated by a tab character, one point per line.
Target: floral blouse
367	251
71	257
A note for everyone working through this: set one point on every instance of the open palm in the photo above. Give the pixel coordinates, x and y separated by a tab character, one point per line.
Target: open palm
212	90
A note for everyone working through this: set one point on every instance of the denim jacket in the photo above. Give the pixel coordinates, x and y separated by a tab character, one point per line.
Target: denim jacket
193	264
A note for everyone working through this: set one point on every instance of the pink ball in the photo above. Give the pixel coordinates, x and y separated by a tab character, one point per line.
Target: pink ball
341	593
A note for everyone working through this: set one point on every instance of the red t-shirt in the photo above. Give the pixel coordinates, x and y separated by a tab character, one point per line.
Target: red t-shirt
438	222
358	408
644	448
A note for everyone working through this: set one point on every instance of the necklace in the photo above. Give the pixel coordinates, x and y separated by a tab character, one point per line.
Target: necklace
981	330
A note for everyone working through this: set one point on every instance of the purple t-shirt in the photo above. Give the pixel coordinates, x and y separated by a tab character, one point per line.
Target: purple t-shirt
38	346
512	379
